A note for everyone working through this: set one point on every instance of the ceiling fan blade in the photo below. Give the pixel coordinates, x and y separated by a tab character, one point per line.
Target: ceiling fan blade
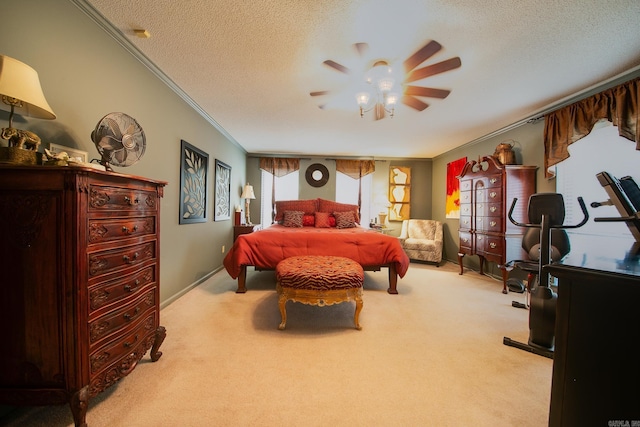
414	103
319	93
337	66
426	52
426	91
430	70
361	48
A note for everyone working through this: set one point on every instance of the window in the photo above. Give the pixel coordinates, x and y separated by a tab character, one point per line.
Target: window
602	150
347	192
287	188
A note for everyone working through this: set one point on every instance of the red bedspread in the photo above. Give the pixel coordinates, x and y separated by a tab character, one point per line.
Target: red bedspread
265	248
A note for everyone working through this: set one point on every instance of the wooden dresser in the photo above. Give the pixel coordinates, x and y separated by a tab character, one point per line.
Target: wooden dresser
487	189
79	294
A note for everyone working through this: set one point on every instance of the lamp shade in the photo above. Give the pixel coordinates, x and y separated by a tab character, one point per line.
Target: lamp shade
20	88
247	193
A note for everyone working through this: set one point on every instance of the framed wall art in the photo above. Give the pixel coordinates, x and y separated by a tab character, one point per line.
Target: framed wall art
222	198
399	193
73	153
193	184
453	187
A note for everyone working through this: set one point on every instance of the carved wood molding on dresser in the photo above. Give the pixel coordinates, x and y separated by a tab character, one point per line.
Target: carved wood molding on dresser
487	189
81	249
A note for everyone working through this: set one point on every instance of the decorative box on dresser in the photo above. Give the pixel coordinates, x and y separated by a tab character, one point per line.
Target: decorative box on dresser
487	190
79	297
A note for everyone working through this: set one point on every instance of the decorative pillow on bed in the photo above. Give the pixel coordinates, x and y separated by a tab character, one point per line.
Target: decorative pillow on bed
345	219
308	220
323	220
306	206
293	218
332	207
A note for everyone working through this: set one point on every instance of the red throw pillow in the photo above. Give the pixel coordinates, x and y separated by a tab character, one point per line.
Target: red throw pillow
323	220
308	220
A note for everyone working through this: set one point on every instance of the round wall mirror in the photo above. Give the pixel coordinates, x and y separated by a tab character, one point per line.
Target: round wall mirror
317	175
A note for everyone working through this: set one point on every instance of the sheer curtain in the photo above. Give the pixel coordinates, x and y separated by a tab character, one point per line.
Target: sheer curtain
279	182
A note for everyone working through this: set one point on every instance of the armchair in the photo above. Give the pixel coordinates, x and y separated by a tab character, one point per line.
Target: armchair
421	239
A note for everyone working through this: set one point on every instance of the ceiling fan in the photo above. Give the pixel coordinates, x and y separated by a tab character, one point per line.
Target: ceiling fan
410	93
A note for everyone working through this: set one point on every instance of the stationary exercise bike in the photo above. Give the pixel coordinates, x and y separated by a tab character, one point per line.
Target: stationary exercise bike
546	213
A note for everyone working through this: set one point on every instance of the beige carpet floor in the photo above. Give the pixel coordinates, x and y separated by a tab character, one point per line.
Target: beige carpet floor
430	356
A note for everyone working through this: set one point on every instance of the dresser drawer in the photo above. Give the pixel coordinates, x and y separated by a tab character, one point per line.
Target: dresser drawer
105	230
466	185
116	259
124	344
102	199
489	223
493	245
465	197
117	319
465	222
113	291
465	242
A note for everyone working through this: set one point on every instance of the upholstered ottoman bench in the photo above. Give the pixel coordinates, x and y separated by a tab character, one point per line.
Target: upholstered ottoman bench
319	280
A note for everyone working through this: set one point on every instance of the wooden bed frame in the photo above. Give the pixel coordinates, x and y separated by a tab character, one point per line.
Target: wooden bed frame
393	276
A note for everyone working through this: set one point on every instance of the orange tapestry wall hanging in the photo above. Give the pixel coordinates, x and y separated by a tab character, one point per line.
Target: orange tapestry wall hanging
453	187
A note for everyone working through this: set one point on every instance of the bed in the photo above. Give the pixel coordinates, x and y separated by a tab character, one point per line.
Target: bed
263	249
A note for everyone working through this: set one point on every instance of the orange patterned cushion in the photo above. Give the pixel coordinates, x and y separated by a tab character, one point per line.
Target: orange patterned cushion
319	273
306	206
332	207
322	220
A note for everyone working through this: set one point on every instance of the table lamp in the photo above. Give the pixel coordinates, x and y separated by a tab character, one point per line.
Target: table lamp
247	194
21	93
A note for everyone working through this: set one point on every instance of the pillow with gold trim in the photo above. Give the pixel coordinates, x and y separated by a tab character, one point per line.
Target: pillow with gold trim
293	219
345	219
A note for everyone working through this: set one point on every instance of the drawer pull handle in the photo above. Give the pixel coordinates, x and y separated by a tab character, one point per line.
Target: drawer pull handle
492	245
128	316
493	223
493	194
465	240
130	260
493	209
131	202
128	344
479	237
125	229
128	288
493	180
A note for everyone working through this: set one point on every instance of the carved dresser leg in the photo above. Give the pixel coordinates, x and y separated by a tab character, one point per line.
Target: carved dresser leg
79	404
161	334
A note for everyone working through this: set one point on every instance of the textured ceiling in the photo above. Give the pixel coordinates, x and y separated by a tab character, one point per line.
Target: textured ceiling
250	65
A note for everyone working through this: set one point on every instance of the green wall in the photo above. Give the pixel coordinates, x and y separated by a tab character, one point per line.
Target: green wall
86	74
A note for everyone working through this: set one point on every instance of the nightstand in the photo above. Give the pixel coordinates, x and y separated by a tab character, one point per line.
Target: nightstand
244	229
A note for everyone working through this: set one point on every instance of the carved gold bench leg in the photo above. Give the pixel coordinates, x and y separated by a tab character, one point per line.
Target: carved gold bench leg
358	310
282	301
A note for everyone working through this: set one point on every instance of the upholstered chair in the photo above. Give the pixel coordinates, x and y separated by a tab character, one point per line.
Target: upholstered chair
421	239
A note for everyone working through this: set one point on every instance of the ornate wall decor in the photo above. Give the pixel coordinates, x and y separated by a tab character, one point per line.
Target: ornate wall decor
399	193
317	175
193	184
222	201
453	187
